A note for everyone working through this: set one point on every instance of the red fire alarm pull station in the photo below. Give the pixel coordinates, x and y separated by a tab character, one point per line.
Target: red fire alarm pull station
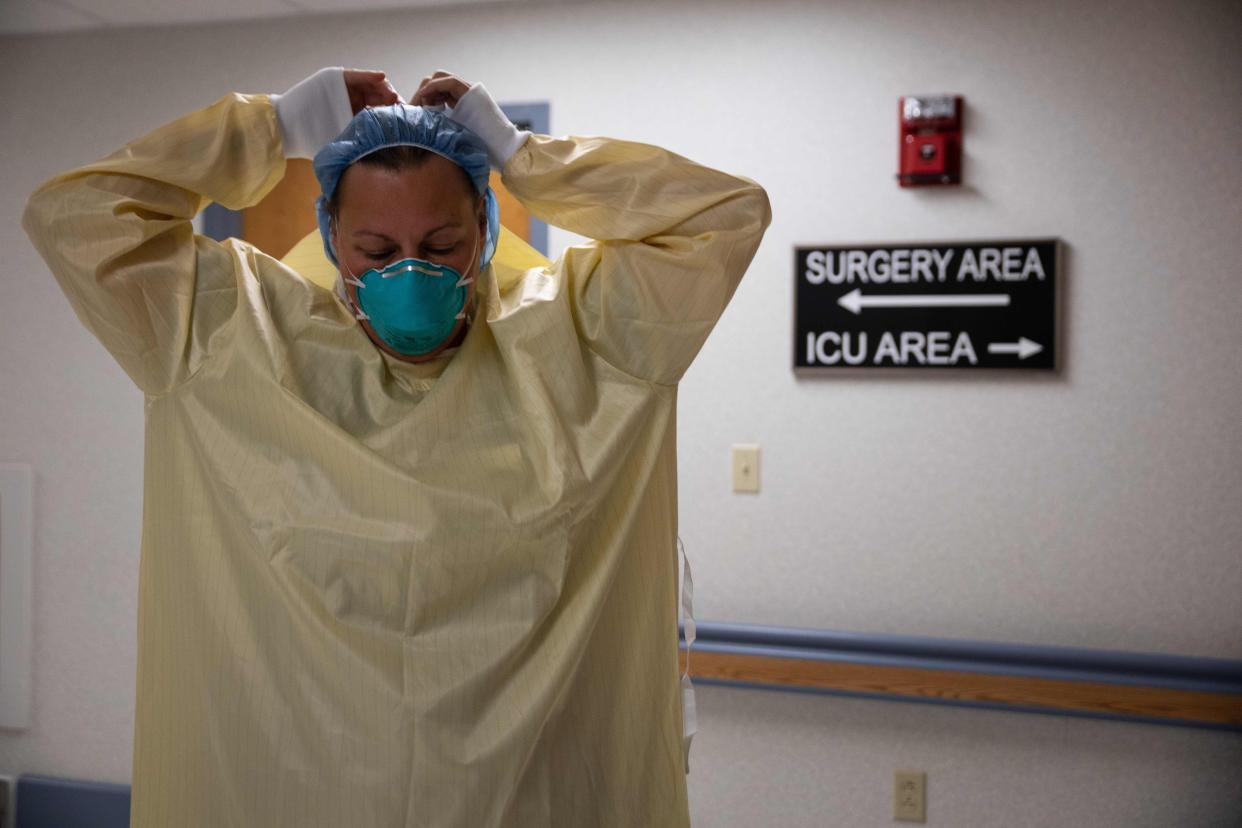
931	140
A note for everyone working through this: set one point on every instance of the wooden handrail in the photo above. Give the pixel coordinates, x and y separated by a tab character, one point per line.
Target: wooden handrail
1024	678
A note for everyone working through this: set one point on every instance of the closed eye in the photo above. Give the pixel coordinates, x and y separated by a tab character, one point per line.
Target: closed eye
384	255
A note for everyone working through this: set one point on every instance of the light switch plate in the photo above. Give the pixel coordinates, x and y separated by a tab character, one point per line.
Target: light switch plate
745	468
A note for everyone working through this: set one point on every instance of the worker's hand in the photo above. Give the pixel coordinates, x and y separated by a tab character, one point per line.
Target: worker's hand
368	88
440	88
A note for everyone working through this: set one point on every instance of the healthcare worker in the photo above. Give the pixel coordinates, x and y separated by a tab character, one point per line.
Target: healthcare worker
409	539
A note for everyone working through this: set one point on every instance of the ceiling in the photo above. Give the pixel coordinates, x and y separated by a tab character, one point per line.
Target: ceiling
47	16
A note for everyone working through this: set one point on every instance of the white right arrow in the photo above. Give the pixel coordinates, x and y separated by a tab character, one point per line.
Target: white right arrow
1023	348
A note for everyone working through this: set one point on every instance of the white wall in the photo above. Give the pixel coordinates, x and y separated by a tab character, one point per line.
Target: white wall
1097	507
792	760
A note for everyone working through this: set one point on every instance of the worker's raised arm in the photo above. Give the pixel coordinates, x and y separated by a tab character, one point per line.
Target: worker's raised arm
672	241
672	238
117	233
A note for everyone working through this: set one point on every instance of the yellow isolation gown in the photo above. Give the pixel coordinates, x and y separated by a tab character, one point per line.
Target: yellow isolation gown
376	593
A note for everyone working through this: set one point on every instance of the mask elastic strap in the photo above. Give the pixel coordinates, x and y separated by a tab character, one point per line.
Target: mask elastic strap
465	280
359	313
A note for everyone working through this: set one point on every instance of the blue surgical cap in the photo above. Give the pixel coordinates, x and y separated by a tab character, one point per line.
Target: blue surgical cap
402	125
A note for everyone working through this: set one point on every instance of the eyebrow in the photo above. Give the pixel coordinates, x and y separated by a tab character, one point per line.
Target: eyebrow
432	232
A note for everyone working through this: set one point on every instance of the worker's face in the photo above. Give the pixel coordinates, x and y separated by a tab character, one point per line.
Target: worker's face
426	212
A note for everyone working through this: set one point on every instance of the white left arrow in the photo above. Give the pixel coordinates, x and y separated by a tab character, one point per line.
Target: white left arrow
1023	348
854	301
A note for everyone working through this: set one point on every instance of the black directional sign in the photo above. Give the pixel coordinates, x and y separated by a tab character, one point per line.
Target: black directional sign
989	304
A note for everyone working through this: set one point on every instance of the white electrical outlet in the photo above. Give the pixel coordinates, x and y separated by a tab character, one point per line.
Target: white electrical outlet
910	796
745	468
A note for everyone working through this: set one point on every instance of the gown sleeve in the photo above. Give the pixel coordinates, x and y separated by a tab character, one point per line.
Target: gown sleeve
118	237
671	241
